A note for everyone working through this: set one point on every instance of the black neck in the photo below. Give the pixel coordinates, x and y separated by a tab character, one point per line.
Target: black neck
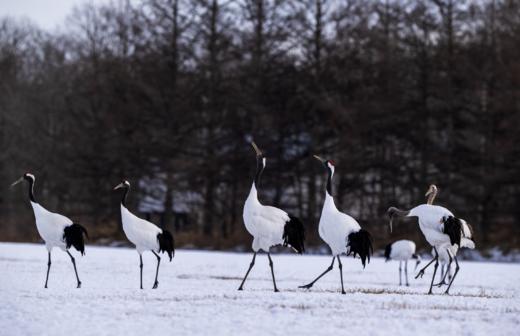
259	170
123	199
329	182
31	190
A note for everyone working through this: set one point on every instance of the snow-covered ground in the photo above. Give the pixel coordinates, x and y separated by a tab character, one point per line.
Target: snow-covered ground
198	295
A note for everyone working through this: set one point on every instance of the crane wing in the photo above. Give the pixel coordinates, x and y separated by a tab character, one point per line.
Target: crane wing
275	215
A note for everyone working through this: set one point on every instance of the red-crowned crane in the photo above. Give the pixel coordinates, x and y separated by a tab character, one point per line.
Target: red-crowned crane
268	225
340	231
56	230
445	255
438	225
402	250
144	235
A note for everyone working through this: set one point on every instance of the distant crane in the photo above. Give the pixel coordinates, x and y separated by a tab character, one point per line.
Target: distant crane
340	231
144	235
56	230
268	225
402	250
440	228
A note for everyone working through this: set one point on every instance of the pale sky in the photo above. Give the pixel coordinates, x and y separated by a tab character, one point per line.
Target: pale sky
47	14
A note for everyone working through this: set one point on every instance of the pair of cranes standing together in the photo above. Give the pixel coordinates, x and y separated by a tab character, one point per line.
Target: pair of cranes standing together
59	231
269	226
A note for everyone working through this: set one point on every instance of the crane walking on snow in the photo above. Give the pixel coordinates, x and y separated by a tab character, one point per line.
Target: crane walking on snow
341	232
445	256
268	225
144	235
402	250
55	229
440	228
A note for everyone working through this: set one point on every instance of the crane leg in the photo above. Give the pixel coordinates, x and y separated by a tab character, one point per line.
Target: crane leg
434	269
156	282
444	274
400	263
48	269
406	272
309	285
454	275
272	271
249	270
141	268
421	272
75	270
341	275
441	276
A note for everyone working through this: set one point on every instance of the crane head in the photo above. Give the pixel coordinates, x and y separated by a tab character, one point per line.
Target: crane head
27	177
260	157
328	163
124	184
431	190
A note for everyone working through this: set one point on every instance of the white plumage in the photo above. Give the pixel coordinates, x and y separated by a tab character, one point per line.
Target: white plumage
140	232
50	226
56	230
268	225
431	222
265	223
402	250
467	236
144	235
341	232
335	227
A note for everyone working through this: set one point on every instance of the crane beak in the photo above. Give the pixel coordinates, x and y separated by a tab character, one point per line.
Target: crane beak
257	150
16	182
319	158
417	264
391	221
120	185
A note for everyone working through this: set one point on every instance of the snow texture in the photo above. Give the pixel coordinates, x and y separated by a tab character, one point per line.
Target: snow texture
198	295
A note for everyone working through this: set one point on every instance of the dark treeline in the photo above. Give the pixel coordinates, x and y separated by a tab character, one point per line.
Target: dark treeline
168	94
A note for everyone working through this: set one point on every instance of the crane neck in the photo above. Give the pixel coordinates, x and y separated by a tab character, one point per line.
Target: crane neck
329	202
329	181
260	165
31	190
125	193
431	197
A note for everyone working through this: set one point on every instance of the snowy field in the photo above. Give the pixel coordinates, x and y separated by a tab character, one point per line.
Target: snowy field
198	294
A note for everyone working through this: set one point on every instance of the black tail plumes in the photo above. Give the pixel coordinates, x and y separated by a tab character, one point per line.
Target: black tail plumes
294	234
360	243
453	228
73	235
166	243
388	250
